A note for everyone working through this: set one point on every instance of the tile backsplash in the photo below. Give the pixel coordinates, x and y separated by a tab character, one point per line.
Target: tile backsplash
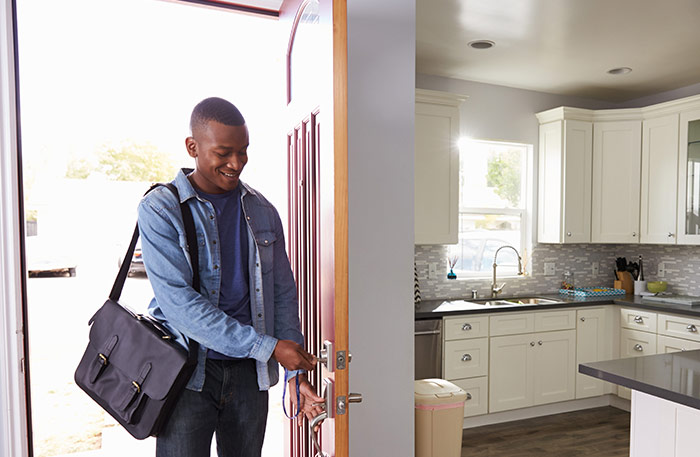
681	263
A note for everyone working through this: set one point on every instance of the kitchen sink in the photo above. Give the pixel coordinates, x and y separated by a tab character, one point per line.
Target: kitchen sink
515	301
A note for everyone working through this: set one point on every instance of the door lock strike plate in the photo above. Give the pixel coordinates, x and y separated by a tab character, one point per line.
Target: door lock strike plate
340	360
340	403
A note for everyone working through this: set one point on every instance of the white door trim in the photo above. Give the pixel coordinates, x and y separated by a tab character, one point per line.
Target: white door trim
13	411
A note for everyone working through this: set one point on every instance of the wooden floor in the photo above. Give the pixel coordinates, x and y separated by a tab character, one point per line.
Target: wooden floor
600	432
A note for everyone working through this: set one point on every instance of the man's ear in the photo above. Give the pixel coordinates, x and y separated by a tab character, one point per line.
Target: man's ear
191	146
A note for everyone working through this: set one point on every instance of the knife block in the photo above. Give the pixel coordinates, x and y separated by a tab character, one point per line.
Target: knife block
625	281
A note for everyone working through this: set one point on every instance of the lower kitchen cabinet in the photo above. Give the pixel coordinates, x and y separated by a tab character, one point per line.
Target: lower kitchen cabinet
635	343
466	358
666	344
531	369
593	343
477	390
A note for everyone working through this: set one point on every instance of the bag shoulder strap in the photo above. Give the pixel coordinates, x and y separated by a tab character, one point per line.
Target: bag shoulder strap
190	235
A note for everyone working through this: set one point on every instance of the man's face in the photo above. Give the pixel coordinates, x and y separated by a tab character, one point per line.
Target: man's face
220	153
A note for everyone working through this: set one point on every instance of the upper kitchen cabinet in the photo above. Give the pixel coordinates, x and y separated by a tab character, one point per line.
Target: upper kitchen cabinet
659	177
689	178
564	183
437	167
617	149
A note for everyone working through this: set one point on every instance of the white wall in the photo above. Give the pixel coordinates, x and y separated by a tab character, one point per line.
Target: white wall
381	113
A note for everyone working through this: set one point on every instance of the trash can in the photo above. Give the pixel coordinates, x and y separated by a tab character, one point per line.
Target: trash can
439	418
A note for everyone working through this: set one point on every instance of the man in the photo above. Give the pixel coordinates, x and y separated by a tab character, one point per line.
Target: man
245	316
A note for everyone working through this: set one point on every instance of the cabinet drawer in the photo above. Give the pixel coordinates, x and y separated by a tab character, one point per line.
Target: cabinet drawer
634	343
458	328
466	358
512	324
555	320
637	319
477	395
679	327
666	344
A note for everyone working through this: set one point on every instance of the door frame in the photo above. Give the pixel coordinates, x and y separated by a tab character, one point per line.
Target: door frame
14	396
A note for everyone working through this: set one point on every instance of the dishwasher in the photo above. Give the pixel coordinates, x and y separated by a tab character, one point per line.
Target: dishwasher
428	349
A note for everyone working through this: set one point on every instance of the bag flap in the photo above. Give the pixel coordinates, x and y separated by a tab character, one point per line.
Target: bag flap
139	344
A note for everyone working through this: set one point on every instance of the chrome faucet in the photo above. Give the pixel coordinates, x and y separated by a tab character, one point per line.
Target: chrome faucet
495	290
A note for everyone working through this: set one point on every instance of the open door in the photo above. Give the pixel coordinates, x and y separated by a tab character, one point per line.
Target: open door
318	208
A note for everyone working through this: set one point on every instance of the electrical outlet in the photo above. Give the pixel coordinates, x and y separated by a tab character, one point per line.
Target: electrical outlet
432	270
661	270
549	269
594	268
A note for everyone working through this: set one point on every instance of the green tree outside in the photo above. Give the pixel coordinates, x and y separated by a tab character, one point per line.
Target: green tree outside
503	174
128	161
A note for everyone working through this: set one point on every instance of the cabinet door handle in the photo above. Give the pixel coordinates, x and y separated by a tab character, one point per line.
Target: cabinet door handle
469	396
634	234
532	343
540	342
568	233
638	347
583	319
466	358
670	235
466	327
638	319
692	328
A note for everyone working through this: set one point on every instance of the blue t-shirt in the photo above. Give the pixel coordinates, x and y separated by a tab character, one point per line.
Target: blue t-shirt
234	295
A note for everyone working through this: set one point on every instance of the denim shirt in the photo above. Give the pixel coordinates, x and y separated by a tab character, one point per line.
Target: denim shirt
191	314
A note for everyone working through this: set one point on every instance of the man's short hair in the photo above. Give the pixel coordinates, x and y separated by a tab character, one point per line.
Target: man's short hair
215	109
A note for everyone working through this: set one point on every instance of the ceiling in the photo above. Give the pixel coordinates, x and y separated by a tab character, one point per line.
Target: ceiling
563	46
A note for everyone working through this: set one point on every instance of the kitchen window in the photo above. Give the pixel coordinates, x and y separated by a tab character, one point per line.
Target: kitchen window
495	182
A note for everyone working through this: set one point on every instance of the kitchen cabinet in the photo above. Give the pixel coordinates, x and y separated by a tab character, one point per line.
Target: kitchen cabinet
637	337
688	211
466	359
564	181
528	369
593	343
666	344
436	196
616	181
659	180
531	369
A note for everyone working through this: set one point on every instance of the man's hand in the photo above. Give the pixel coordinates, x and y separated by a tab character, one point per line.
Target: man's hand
293	357
307	399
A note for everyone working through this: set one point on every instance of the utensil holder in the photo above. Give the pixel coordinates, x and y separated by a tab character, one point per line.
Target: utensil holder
639	287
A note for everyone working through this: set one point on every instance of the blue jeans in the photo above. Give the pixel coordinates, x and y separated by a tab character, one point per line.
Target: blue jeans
230	405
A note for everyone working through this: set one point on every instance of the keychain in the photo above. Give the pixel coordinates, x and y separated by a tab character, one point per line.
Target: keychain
284	391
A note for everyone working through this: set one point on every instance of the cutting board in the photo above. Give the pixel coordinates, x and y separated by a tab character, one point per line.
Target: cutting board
625	277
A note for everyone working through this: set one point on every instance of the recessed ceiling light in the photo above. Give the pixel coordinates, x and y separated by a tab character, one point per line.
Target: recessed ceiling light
482	44
620	71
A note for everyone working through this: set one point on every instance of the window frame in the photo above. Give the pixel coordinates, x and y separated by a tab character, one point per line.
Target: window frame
525	212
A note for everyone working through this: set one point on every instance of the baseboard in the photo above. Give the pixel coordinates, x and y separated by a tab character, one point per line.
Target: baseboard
547	410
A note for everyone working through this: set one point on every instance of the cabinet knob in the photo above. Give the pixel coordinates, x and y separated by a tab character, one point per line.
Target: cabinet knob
638	347
692	328
670	235
469	396
532	343
568	233
466	358
583	319
540	342
467	327
638	320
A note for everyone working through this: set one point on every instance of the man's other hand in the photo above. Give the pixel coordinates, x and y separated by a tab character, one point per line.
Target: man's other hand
293	357
310	403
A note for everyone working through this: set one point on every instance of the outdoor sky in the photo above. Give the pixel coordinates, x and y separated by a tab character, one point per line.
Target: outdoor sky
96	71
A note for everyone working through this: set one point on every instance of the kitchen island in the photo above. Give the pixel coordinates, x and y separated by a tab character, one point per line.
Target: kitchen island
665	400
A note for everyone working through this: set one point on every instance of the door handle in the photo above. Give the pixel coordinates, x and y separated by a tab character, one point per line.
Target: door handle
314	438
327	356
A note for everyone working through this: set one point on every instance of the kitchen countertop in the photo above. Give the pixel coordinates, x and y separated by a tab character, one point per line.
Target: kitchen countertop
674	377
432	309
